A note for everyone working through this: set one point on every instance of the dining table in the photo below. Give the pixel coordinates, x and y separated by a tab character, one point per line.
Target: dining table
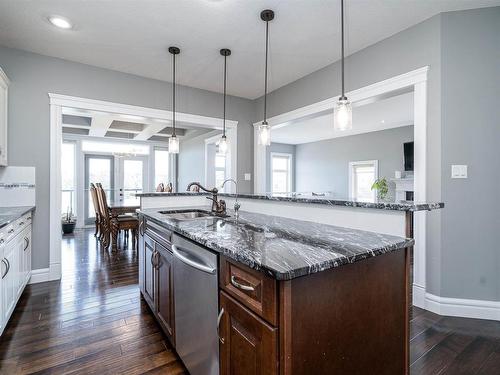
116	210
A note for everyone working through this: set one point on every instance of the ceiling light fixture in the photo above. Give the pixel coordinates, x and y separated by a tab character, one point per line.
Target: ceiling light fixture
264	128
173	141
60	22
223	143
343	108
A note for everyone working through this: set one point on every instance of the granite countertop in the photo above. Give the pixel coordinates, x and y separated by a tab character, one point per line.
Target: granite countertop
10	214
326	200
280	247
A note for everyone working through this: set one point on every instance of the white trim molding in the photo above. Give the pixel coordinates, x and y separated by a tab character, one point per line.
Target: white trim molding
39	275
466	308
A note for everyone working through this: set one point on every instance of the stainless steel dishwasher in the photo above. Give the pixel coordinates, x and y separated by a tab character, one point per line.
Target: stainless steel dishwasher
196	306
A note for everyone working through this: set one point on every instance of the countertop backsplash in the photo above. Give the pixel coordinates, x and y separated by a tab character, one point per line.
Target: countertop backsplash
17	186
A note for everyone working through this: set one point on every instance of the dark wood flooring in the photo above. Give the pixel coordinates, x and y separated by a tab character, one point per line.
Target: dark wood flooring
91	322
94	322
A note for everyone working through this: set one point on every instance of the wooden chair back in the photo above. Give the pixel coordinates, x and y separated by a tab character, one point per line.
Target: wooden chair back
95	200
103	203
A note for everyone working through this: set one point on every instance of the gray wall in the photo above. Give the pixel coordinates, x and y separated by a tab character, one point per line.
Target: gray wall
191	162
471	135
33	76
324	165
284	148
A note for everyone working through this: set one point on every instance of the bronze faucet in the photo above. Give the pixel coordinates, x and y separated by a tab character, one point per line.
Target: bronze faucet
218	206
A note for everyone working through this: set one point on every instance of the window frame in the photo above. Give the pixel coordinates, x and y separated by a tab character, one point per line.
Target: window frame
352	166
289	156
75	176
153	166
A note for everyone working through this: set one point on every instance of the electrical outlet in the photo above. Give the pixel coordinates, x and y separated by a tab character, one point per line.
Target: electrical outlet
248	176
458	171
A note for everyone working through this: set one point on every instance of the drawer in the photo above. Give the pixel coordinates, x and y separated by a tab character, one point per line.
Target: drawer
252	288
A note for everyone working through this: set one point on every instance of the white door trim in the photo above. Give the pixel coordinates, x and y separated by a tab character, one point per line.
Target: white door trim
56	103
415	79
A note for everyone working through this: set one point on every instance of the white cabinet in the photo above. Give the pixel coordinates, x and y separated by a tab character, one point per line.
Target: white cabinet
4	90
15	265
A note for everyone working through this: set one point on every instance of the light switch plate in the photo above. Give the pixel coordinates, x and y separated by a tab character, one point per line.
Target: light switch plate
248	176
458	171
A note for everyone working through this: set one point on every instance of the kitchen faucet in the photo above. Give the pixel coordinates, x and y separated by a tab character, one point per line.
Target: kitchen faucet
236	204
218	206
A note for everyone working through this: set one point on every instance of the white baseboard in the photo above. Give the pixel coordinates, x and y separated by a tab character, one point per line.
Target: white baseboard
39	276
466	308
460	307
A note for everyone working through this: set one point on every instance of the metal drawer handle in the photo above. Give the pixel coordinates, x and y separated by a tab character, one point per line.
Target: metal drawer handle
198	266
241	286
4	274
27	242
219	317
152	257
141	228
7	264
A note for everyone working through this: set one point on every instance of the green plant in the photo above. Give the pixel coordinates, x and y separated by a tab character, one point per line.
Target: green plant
381	186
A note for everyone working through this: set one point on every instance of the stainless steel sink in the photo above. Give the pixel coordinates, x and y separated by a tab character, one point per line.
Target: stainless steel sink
189	214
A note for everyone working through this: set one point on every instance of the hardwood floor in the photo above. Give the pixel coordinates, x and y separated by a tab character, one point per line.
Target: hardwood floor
94	322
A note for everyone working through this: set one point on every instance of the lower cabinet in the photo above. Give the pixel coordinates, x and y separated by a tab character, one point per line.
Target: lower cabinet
15	265
156	280
248	345
164	290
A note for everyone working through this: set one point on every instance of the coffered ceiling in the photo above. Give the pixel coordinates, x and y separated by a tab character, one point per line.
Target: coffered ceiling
133	35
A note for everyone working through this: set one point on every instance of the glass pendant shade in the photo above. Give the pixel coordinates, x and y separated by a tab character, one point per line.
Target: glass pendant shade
223	145
264	134
173	144
343	115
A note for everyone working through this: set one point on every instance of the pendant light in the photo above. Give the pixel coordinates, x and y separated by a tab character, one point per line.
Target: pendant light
223	143
343	108
264	128
173	141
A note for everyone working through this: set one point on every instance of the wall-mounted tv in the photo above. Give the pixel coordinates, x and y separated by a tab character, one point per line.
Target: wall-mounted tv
408	156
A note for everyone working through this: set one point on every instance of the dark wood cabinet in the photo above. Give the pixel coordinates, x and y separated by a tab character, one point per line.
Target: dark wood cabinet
156	278
164	290
148	290
248	345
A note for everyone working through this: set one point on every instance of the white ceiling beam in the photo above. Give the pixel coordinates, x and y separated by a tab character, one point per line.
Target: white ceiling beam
100	125
149	131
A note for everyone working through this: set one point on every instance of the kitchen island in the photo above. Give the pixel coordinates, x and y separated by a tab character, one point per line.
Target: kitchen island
294	297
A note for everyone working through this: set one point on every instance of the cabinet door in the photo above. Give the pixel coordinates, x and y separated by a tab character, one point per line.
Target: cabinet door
164	291
140	246
9	279
149	272
3	121
26	257
248	345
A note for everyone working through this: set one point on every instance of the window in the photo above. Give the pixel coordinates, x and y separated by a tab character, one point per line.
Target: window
162	161
362	175
281	173
220	170
68	178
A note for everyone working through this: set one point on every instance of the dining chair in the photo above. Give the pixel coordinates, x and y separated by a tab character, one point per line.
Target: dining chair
124	222
95	202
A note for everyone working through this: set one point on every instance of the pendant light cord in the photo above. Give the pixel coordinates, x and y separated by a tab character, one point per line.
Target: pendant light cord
173	99
342	44
265	74
224	117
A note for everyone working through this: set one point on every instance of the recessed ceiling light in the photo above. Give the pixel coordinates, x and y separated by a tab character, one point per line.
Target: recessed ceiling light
61	22
382	122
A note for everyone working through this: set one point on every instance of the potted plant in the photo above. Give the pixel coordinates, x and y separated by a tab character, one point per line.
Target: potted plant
382	188
68	222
